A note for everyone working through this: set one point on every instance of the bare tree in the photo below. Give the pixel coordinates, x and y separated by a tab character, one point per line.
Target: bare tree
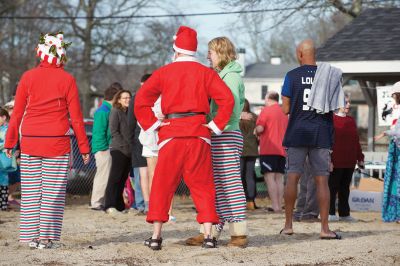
102	32
261	45
257	43
157	42
277	12
18	38
101	39
287	8
275	31
8	5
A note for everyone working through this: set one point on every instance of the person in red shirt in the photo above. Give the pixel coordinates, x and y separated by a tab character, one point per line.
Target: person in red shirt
184	135
346	154
271	128
46	104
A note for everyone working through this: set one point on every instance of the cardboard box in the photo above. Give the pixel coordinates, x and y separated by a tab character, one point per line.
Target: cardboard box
365	200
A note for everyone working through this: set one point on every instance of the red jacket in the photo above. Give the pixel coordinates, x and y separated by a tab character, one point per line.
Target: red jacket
46	95
346	148
185	86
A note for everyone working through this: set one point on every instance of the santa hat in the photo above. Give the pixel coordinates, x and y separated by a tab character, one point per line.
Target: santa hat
52	48
396	88
185	41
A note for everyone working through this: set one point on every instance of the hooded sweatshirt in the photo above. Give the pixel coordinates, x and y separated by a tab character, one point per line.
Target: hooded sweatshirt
231	76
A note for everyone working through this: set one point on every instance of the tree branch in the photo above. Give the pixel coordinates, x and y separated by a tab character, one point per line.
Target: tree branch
338	4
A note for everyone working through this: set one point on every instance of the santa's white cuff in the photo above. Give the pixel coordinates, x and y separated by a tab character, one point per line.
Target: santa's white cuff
153	127
214	128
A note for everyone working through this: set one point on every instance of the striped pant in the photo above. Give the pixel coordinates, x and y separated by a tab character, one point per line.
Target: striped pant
231	200
43	185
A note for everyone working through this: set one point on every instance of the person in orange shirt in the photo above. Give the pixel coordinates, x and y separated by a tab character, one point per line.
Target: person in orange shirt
271	128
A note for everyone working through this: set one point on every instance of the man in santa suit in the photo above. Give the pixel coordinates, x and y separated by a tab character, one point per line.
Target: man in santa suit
184	135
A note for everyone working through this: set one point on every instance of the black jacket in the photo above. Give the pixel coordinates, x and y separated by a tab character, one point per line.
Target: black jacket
120	133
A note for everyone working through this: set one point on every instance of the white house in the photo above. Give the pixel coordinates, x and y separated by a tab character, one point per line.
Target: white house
259	78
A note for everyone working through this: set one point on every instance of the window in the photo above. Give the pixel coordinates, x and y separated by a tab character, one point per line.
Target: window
264	90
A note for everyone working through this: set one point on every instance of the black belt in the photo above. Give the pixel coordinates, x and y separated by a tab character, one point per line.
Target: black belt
180	115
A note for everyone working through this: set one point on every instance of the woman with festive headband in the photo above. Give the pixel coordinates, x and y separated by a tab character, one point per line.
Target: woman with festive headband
46	104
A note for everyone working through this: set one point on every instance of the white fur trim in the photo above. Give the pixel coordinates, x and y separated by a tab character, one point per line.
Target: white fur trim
163	143
183	51
214	128
154	126
186	59
208	141
174	37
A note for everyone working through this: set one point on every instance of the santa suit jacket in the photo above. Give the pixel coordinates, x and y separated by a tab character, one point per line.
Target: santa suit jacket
46	104
185	86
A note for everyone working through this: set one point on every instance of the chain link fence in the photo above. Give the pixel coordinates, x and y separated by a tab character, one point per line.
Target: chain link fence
80	180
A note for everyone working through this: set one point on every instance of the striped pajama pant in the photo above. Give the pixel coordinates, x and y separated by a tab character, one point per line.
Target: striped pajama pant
230	199
43	185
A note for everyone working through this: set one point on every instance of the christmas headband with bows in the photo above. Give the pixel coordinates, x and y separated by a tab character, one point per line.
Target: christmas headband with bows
52	48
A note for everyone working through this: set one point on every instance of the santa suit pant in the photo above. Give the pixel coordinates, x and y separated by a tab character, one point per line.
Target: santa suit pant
189	157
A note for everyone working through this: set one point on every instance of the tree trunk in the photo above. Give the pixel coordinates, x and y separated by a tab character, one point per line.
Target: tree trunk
84	87
86	74
85	77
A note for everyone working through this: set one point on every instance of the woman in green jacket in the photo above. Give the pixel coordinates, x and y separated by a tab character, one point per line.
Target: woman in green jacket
226	149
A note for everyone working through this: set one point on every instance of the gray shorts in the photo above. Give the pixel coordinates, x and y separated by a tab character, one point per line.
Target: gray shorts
319	159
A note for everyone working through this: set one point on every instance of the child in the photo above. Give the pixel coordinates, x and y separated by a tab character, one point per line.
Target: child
14	178
4	117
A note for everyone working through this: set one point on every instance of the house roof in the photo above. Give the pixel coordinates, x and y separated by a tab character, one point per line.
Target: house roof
266	70
373	35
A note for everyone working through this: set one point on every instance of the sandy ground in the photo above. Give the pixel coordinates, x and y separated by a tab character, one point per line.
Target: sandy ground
95	238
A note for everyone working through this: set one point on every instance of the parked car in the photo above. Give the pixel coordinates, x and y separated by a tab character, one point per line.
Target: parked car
80	179
88	125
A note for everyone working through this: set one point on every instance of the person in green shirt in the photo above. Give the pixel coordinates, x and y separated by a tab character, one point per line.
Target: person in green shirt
101	139
226	149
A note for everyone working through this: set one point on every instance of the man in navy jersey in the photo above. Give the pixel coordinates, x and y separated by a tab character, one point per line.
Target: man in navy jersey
308	134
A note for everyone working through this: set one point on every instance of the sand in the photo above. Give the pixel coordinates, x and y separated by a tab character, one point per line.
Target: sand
94	238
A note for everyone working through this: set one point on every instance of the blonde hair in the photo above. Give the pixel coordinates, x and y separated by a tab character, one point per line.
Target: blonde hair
224	49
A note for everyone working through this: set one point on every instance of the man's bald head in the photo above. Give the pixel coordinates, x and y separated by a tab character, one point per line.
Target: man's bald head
271	98
305	52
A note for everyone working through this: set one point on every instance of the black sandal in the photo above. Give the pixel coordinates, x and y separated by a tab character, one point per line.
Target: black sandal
209	242
154	244
335	236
